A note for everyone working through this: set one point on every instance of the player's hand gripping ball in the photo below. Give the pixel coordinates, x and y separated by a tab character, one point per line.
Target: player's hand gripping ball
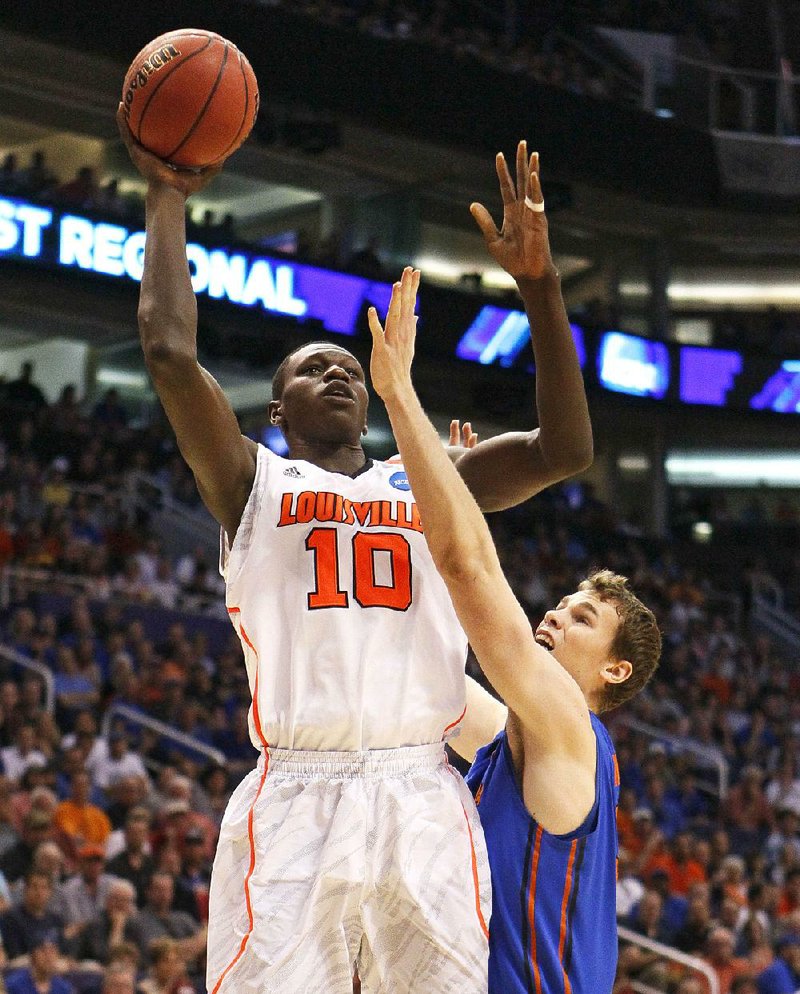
191	98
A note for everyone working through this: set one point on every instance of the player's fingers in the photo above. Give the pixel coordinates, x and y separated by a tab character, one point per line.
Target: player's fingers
407	292
375	326
506	183
522	171
122	127
454	430
484	221
535	194
394	302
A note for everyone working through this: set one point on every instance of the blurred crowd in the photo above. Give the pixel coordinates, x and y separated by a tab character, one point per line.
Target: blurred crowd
108	824
548	42
83	191
69	500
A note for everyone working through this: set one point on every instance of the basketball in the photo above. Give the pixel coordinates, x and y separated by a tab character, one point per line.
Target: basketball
190	97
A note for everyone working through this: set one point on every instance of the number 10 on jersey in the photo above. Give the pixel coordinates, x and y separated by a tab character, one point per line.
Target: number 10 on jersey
329	591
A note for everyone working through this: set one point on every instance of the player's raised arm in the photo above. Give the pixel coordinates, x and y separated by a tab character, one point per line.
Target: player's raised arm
208	435
509	468
533	685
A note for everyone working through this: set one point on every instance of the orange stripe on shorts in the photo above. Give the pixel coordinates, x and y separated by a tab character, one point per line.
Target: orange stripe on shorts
454	723
251	836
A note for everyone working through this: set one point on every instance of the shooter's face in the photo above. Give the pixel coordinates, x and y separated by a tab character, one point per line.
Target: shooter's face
324	397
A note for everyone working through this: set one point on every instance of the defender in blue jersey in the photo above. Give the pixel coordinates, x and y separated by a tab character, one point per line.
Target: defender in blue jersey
546	785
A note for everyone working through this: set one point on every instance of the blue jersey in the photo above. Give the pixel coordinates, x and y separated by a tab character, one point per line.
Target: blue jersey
553	928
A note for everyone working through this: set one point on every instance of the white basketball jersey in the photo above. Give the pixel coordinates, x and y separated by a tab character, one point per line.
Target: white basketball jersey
349	635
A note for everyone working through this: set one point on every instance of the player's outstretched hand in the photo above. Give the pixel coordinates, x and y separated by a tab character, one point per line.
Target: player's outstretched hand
521	246
462	437
155	170
393	346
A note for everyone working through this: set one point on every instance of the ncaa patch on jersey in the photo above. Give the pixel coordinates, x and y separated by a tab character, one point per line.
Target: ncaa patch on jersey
399	481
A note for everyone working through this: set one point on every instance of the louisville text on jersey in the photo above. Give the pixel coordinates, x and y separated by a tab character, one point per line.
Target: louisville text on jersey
312	506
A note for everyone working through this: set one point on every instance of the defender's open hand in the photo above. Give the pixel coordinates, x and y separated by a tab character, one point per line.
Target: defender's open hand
393	346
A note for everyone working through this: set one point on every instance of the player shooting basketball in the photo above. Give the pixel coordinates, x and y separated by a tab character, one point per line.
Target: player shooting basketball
547	783
353	842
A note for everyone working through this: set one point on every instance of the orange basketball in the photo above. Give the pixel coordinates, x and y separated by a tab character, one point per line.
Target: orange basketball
190	97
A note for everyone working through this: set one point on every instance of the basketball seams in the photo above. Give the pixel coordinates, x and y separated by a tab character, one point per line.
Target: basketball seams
162	80
205	106
236	141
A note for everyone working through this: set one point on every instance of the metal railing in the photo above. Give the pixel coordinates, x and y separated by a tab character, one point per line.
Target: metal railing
722	98
673	956
176	523
708	757
767	614
38	668
133	717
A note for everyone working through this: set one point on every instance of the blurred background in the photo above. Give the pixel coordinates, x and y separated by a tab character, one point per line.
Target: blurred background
671	170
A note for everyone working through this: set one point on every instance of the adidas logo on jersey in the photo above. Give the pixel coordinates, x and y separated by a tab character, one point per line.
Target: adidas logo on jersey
294	472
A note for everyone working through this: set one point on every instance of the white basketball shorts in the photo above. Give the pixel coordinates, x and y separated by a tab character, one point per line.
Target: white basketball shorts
330	862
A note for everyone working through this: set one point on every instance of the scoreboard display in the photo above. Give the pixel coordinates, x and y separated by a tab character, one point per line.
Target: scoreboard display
643	367
454	325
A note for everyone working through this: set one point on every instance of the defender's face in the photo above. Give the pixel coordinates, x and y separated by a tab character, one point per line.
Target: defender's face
324	396
579	633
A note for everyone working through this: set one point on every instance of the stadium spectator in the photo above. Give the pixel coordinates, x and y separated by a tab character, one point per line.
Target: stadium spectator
80	192
83	895
630	888
16	861
784	840
167	971
114	925
119	762
110	411
755	946
119	978
693	934
647	917
194	875
719	954
782	976
31	921
37	179
22	395
789	900
48	859
9	174
134	861
23	754
217	792
41	976
158	920
674	907
646	840
78	820
681	869
744	985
